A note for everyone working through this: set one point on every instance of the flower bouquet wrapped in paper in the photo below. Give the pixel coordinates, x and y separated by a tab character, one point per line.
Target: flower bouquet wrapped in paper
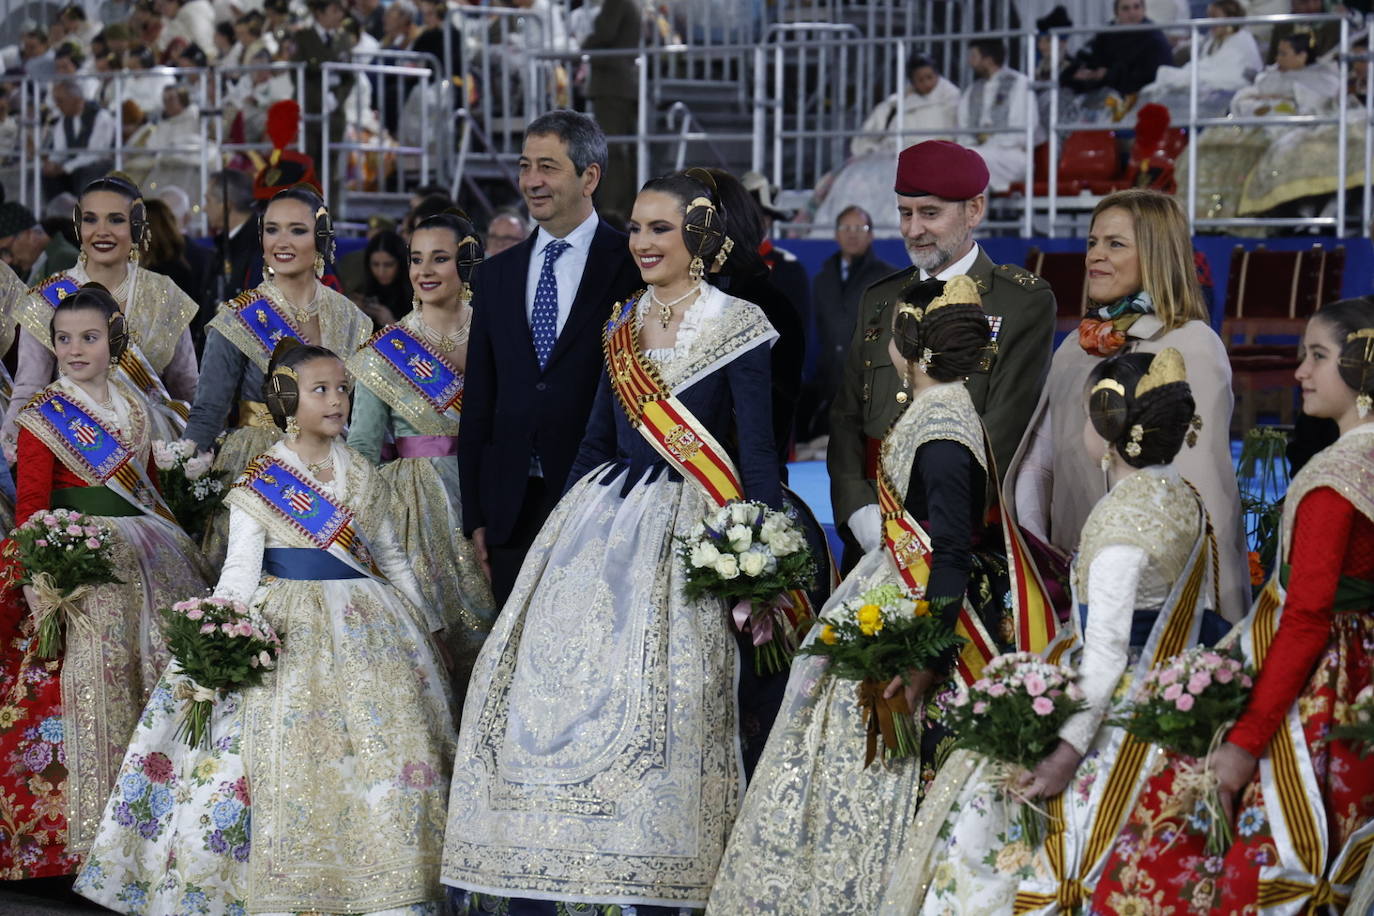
1186	706
64	555
191	490
1013	714
752	556
883	635
219	647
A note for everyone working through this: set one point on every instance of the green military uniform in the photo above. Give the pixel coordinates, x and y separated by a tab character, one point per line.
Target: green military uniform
314	51
1021	308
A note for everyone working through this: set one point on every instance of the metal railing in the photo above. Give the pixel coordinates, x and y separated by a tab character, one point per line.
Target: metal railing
329	147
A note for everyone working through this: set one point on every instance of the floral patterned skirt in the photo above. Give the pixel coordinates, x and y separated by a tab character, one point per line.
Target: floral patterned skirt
323	790
1158	866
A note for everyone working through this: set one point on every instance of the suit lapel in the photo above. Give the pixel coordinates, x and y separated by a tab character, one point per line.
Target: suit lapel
589	305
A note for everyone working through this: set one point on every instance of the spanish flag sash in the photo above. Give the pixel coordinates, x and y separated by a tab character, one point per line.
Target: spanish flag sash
307	510
660	417
92	450
421	368
133	368
672	430
909	546
1080	839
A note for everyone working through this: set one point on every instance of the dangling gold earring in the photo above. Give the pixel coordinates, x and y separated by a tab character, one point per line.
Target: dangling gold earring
133	254
319	264
902	396
415	303
466	295
1362	404
81	259
697	269
269	272
293	429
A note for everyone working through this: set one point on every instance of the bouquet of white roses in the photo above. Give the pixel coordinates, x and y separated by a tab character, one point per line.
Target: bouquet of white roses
63	555
191	490
882	635
752	556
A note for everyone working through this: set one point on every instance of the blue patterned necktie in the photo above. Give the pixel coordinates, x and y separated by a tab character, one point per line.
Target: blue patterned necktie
544	318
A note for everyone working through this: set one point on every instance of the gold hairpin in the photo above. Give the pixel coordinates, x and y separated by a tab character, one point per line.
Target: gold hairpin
1166	368
960	290
1108	384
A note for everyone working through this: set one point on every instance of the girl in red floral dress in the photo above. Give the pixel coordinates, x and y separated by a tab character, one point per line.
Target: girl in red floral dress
64	722
1305	803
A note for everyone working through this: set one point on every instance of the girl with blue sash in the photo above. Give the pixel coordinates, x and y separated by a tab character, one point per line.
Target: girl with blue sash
297	239
324	789
1143	582
84	445
409	401
159	362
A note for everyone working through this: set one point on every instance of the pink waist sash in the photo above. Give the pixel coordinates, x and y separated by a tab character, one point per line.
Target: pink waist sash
426	446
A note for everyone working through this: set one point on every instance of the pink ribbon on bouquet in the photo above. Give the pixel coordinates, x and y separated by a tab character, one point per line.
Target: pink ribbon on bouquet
761	625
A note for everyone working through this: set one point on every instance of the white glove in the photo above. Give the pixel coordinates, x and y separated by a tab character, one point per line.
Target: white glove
866	524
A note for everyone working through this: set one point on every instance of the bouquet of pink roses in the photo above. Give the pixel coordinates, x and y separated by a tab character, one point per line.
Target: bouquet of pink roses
64	555
218	647
191	490
1013	714
1185	705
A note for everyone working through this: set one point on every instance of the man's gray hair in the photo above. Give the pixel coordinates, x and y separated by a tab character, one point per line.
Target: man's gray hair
234	185
585	141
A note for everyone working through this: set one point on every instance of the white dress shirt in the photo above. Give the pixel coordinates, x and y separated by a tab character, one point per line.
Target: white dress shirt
567	270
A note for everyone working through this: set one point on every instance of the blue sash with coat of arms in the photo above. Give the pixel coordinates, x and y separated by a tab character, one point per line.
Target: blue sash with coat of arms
307	510
266	323
56	288
96	452
421	367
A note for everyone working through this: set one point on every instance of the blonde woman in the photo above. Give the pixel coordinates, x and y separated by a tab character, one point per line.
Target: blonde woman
1144	297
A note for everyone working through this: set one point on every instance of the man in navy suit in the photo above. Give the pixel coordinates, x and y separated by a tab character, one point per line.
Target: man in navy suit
534	352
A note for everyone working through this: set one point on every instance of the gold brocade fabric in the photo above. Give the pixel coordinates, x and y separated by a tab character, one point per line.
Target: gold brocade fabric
1345	467
1158	514
255	414
157	312
946	412
426	509
12	293
818	832
343	326
109	670
1302	163
348	744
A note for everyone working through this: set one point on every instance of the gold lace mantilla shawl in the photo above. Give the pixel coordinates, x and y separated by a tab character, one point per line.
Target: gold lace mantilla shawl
1346	466
343	326
1144	510
944	411
157	313
715	337
372	371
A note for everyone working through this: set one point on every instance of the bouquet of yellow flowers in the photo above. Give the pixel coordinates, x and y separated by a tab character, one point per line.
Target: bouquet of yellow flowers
883	635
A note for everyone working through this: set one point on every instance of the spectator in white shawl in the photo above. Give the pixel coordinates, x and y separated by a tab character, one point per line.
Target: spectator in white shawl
930	102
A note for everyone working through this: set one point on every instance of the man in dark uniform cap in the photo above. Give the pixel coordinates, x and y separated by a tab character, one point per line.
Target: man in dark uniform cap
940	200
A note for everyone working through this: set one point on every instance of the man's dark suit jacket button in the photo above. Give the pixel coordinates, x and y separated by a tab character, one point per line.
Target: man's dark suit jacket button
539	386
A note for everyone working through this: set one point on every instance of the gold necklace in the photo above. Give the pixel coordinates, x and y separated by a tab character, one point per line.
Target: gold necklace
665	309
319	467
445	342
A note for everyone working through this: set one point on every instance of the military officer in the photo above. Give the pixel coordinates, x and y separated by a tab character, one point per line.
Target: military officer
940	200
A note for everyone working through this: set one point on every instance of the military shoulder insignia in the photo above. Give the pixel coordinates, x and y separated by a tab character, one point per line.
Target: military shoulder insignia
1021	277
871	334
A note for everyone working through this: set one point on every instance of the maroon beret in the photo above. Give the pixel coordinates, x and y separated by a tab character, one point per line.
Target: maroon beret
941	169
